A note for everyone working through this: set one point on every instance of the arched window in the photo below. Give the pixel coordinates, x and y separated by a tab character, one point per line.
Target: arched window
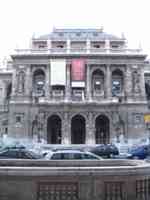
78	130
54	129
102	130
97	82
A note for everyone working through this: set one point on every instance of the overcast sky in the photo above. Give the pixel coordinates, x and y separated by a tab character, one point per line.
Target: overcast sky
20	19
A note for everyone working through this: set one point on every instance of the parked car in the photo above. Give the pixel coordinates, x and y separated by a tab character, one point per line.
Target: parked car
19	153
139	152
71	155
103	150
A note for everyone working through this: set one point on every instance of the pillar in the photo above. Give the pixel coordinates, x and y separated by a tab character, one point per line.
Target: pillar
88	46
108	84
66	137
28	81
47	81
68	46
128	82
68	88
88	83
142	83
90	127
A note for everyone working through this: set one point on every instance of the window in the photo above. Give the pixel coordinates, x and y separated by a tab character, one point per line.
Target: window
77	156
60	46
97	85
56	156
18	119
137	118
114	46
114	190
116	87
78	34
96	46
143	189
95	34
87	156
58	190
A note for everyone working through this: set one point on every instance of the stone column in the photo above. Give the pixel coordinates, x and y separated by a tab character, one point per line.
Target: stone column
128	82
108	84
90	126
107	45
88	83
47	81
68	46
88	46
14	82
68	84
66	139
28	81
49	45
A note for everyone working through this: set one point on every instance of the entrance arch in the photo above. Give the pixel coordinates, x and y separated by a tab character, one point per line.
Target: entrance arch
102	129
78	130
54	130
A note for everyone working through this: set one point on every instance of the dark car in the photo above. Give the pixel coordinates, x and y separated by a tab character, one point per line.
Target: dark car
139	152
105	150
20	153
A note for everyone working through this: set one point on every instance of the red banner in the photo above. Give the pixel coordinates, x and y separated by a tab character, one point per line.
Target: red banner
78	70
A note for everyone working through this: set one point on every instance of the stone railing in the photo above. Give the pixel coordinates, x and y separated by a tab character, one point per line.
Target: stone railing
74	180
76	51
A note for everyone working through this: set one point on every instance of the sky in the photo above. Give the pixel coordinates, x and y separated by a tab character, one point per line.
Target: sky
21	19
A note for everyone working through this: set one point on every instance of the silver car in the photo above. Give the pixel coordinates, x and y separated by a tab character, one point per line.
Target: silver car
71	155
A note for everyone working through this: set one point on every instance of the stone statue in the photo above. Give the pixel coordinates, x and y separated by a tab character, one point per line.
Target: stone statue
21	82
35	128
136	82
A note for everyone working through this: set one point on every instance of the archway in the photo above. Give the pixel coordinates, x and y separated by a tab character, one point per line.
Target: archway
97	82
78	130
54	130
102	130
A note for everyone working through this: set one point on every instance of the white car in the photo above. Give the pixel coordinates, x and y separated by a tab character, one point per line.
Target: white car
71	155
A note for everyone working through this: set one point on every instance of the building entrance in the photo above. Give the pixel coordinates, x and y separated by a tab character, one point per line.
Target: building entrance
78	130
102	129
54	130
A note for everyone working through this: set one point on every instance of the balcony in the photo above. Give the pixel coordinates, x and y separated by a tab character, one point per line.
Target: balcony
62	51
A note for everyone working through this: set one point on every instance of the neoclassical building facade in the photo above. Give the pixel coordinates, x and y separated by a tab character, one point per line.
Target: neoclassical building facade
76	86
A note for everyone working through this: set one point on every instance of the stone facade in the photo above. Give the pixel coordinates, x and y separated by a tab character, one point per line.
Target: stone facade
111	101
82	180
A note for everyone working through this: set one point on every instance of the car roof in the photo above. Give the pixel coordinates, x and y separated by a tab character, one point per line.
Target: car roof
72	151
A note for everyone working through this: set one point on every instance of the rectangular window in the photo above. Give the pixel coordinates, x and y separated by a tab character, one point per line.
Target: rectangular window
114	190
143	189
19	117
60	191
137	118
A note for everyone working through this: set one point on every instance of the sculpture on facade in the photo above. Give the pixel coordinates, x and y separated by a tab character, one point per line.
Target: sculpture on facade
38	126
21	82
35	126
136	82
